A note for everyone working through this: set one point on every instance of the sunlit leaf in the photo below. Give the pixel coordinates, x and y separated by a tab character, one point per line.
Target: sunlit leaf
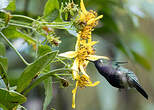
12	5
33	69
51	10
10	99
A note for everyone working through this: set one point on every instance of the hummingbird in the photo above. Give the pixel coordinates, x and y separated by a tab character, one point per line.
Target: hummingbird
118	76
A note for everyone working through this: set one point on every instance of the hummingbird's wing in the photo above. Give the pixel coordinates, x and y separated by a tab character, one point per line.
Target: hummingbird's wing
133	81
116	64
132	76
120	63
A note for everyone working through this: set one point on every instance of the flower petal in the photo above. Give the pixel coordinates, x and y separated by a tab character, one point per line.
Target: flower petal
94	84
69	54
92	43
78	41
99	17
91	21
95	57
75	69
83	71
94	19
83	9
85	63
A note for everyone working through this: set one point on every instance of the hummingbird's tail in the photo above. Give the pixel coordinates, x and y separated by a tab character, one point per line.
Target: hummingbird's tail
140	89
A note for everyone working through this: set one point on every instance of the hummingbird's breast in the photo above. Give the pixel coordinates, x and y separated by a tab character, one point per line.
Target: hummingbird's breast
115	80
112	75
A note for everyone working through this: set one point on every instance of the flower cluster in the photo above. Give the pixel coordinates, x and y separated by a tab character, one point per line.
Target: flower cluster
84	50
69	11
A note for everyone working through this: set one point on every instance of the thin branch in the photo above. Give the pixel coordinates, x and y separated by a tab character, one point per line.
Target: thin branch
10	44
22	16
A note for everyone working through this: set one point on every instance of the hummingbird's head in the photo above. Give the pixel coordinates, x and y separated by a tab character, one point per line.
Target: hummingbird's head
99	64
100	61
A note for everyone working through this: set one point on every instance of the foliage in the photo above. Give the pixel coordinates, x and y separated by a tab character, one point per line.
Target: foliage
39	33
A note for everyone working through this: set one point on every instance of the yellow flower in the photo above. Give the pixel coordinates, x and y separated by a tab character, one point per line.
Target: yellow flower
82	81
83	53
84	50
90	19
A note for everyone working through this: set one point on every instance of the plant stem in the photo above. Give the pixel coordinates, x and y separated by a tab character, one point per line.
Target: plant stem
56	27
55	23
64	74
43	22
20	22
22	16
61	61
20	25
10	44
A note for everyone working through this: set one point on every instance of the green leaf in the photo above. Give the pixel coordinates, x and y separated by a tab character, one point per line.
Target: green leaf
141	60
4	62
4	76
45	76
10	99
2	49
33	69
3	65
3	14
48	92
12	5
2	106
12	33
43	49
51	10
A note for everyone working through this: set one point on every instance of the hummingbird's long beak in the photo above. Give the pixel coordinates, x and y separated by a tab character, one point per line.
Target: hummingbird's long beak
90	60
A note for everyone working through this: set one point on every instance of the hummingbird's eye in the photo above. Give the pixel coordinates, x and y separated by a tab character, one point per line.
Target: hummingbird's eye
101	61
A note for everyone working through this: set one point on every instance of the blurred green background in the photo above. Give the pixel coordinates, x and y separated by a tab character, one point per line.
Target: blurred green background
125	34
